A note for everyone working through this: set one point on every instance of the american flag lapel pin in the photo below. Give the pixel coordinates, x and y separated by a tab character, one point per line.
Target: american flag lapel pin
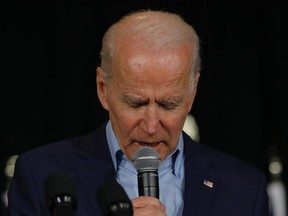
208	183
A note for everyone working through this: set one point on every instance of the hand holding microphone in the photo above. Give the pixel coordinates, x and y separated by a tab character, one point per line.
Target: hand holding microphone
114	201
146	161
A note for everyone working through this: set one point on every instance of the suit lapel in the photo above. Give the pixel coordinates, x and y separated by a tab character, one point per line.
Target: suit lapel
200	184
91	178
96	166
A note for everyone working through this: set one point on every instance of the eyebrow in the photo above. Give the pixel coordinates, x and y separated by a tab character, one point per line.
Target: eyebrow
133	99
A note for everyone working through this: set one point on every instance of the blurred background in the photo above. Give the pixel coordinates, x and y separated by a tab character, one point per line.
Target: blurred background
50	51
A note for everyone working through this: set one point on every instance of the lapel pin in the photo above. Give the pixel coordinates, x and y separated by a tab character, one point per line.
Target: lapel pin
208	183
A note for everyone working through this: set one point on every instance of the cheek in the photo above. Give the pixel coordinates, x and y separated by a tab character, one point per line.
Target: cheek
123	121
176	123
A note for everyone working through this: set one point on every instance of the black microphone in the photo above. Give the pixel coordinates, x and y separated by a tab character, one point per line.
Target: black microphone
60	194
146	161
113	200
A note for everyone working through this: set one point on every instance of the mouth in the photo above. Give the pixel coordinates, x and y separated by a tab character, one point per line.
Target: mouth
152	144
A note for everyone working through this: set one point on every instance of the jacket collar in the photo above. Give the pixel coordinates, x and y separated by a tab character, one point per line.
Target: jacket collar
200	184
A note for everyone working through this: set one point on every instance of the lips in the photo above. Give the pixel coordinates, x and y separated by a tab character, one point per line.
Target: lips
152	144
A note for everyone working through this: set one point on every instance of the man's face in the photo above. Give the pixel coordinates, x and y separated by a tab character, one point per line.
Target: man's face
148	98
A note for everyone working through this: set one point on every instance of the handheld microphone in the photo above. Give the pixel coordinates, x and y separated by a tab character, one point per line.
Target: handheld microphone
60	194
146	161
113	200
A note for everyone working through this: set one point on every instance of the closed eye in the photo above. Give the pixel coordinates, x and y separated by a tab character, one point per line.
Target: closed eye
135	102
170	104
166	104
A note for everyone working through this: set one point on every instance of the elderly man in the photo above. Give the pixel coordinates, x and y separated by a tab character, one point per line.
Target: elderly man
147	81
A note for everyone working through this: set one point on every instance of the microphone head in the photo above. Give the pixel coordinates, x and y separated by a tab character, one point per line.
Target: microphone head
60	194
113	200
146	158
146	161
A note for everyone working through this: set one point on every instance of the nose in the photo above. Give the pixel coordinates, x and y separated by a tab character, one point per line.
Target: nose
150	121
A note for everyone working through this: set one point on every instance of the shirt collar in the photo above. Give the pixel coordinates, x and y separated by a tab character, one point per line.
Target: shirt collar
113	145
176	158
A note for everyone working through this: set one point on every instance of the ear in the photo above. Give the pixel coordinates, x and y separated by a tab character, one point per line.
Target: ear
102	91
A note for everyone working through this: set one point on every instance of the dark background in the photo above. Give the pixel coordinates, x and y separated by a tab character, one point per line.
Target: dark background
50	52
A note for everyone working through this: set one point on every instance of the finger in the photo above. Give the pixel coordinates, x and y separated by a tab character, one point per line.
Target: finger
147	203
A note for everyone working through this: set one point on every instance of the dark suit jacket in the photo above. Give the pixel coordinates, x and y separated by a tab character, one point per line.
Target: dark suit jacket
238	188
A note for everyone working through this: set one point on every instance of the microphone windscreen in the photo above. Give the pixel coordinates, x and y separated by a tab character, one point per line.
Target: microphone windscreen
59	185
146	158
113	200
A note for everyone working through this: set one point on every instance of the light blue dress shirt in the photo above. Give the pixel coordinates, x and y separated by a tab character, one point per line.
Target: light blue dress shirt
171	174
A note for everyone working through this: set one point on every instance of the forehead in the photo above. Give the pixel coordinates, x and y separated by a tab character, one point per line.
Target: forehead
155	75
133	60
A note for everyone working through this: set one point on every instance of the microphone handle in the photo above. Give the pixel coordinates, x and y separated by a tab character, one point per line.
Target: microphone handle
148	183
